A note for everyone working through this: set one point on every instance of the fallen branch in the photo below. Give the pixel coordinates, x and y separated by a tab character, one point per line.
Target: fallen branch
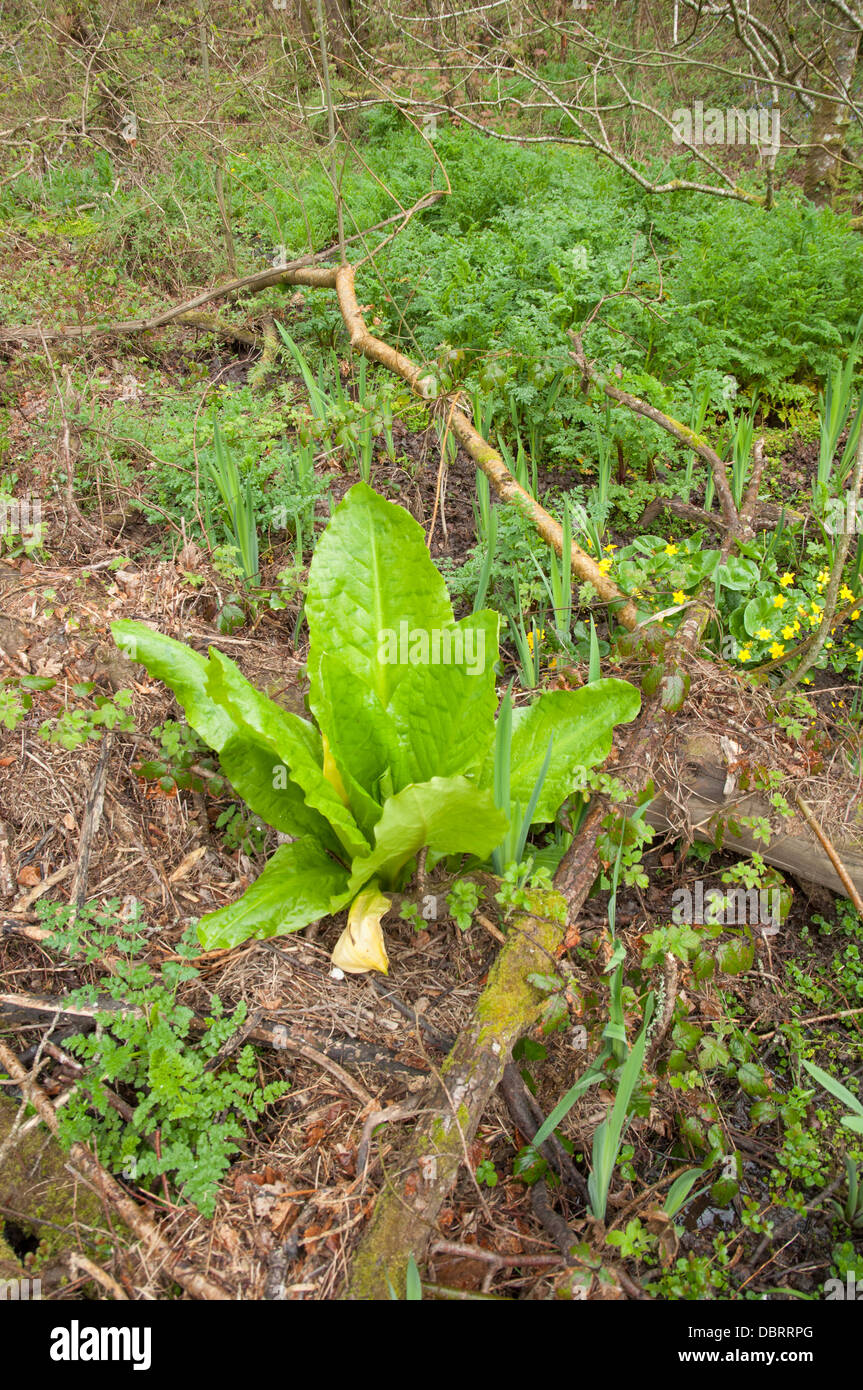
488	459
90	822
730	517
695	805
260	280
326	1053
829	849
407	1209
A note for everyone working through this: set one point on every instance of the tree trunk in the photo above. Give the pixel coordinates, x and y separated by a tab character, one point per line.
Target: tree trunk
830	118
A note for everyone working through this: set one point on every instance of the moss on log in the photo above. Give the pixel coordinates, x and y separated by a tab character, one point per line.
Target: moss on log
420	1178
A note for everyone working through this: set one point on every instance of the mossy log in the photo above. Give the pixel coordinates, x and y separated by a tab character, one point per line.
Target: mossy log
422	1175
43	1199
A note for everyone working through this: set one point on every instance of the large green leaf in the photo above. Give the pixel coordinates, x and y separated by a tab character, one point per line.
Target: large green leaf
294	741
360	735
370	581
299	885
448	814
183	670
244	737
582	722
444	714
259	777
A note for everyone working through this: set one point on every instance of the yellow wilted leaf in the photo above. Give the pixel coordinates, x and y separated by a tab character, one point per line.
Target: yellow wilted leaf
361	945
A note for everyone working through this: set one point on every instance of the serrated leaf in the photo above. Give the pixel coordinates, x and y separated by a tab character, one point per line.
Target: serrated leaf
712	1053
752	1080
735	957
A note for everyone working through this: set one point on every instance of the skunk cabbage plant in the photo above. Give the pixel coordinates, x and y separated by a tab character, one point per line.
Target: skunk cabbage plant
400	752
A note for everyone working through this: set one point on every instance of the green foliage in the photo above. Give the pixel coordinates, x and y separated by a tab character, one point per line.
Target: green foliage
768	597
487	1173
76	726
855	1119
401	755
189	1109
238	506
608	1135
180	753
462	900
14	704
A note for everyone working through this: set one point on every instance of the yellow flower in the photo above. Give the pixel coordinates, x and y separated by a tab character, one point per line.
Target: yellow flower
744	654
786	580
779	601
609	547
540	637
604	565
801	609
360	947
823	576
856	614
776	650
671	549
764	634
679	596
788	632
846	593
859	654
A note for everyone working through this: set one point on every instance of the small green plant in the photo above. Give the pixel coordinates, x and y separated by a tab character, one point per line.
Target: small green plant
189	1111
855	1119
14	705
634	1242
183	760
608	1135
240	832
851	1209
238	505
462	901
76	726
487	1173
